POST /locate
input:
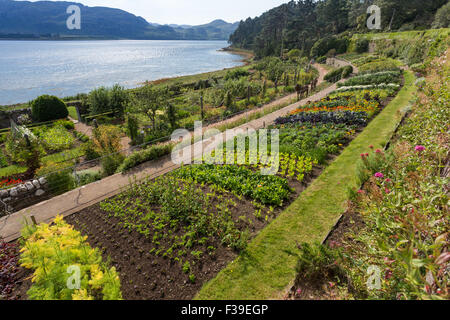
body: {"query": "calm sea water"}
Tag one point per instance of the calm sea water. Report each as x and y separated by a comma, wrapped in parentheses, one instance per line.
(64, 68)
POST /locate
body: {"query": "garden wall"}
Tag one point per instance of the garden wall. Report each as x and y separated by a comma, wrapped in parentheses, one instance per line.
(23, 194)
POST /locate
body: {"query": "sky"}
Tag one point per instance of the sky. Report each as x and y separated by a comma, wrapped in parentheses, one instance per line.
(191, 12)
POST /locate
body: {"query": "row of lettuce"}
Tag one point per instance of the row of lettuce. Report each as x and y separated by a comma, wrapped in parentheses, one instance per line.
(399, 250)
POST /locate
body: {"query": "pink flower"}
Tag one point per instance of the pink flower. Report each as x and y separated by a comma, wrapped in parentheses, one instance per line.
(388, 180)
(371, 147)
(420, 148)
(360, 191)
(299, 292)
(379, 175)
(378, 151)
(387, 190)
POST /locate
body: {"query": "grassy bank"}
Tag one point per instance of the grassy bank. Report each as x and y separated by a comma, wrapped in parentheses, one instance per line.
(267, 267)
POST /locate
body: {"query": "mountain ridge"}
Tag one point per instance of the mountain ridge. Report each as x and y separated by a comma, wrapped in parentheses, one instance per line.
(47, 19)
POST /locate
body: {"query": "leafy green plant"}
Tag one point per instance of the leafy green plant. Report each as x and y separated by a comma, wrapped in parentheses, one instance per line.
(46, 108)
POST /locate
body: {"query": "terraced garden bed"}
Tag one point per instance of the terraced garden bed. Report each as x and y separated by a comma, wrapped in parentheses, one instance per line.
(168, 237)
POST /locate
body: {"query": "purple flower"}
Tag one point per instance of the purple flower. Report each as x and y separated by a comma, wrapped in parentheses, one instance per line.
(420, 148)
(379, 175)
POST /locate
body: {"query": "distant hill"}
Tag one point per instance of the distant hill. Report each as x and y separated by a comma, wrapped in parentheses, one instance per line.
(47, 19)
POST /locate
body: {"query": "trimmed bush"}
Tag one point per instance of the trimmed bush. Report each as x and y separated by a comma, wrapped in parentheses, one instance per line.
(338, 74)
(362, 46)
(142, 156)
(59, 177)
(47, 108)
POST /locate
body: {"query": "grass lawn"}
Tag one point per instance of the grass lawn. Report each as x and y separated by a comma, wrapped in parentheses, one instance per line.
(73, 113)
(12, 170)
(267, 267)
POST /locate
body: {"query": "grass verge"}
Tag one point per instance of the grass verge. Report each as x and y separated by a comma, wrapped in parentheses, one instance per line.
(267, 267)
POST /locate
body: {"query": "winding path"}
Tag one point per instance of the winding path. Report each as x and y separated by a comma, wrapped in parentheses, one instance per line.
(83, 197)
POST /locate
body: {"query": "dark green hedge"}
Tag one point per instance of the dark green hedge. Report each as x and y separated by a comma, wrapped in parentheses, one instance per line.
(47, 108)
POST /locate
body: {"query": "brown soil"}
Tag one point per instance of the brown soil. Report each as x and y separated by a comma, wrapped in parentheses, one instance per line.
(145, 276)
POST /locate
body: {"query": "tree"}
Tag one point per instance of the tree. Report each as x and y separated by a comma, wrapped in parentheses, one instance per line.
(118, 98)
(150, 99)
(171, 113)
(442, 18)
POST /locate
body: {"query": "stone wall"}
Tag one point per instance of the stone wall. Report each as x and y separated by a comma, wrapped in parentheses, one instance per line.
(24, 193)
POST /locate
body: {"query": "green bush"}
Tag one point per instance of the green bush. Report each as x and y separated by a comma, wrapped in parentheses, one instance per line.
(69, 125)
(142, 156)
(346, 71)
(90, 151)
(338, 74)
(236, 74)
(362, 45)
(317, 262)
(321, 59)
(88, 177)
(110, 163)
(47, 108)
(59, 177)
(3, 162)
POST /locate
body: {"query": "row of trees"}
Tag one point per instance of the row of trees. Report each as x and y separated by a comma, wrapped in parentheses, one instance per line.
(299, 24)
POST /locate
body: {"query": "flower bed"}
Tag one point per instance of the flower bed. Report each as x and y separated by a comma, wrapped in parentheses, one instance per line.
(393, 242)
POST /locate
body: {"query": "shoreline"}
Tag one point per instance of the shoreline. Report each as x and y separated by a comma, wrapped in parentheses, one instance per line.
(245, 61)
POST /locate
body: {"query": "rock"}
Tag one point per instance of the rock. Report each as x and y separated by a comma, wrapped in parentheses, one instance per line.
(4, 194)
(36, 184)
(42, 181)
(39, 193)
(6, 200)
(29, 186)
(14, 192)
(22, 188)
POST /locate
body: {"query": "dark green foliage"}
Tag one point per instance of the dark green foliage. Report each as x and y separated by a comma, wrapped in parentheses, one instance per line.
(317, 262)
(236, 74)
(142, 156)
(442, 18)
(60, 178)
(362, 45)
(47, 108)
(338, 74)
(303, 24)
(110, 163)
(133, 127)
(321, 59)
(325, 45)
(104, 100)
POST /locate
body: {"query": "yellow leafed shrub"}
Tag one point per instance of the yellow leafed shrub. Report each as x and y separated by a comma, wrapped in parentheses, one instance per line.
(65, 266)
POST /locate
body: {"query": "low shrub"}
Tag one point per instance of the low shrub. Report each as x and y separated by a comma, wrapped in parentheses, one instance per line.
(59, 177)
(378, 66)
(47, 108)
(337, 117)
(321, 59)
(110, 163)
(54, 253)
(338, 74)
(373, 78)
(362, 45)
(142, 156)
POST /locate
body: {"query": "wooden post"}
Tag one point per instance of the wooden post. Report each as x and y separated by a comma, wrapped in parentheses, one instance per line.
(78, 114)
(201, 106)
(33, 219)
